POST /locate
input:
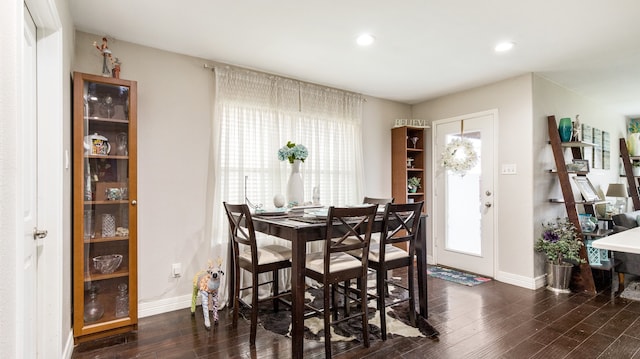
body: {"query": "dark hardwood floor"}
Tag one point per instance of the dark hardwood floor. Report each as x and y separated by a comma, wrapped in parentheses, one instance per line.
(491, 320)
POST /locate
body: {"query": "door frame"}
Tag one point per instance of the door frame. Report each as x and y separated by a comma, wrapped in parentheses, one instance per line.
(435, 166)
(52, 164)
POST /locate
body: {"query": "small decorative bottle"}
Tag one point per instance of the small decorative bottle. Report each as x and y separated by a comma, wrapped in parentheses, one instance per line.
(93, 310)
(122, 301)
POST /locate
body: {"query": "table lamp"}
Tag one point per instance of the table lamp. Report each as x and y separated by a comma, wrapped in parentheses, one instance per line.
(619, 191)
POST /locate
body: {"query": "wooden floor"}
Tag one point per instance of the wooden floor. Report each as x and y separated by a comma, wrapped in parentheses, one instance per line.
(491, 320)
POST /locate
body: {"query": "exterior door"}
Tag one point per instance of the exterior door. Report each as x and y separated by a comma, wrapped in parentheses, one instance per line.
(29, 175)
(464, 213)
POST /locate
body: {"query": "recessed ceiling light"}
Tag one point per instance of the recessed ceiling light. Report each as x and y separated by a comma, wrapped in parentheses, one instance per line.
(504, 46)
(365, 39)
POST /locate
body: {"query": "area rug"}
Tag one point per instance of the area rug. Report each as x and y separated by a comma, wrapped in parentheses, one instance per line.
(398, 324)
(455, 276)
(631, 291)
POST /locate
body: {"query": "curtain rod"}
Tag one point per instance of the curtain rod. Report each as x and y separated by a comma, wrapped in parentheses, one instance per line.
(213, 68)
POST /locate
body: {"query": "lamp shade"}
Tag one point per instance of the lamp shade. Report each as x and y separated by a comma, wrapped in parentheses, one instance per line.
(616, 190)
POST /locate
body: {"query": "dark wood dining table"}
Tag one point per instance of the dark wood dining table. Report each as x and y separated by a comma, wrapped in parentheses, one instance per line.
(301, 230)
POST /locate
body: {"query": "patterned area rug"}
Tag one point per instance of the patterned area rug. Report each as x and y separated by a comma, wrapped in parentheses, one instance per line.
(398, 323)
(455, 276)
(631, 291)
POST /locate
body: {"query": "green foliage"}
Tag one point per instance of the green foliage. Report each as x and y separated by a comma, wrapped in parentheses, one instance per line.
(560, 241)
(414, 181)
(634, 125)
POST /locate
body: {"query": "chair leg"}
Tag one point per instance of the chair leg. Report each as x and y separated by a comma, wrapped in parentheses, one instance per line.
(412, 301)
(381, 285)
(334, 303)
(327, 322)
(347, 288)
(254, 309)
(236, 295)
(363, 306)
(276, 301)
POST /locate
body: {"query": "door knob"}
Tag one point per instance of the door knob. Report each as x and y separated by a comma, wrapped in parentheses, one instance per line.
(488, 193)
(37, 234)
(488, 204)
(134, 202)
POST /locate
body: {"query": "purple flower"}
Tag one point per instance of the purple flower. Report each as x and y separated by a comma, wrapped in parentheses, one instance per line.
(550, 236)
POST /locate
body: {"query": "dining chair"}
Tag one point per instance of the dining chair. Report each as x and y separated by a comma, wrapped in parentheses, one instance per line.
(334, 265)
(378, 201)
(256, 259)
(400, 225)
(375, 237)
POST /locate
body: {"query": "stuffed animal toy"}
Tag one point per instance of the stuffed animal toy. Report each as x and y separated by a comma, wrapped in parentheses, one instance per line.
(206, 284)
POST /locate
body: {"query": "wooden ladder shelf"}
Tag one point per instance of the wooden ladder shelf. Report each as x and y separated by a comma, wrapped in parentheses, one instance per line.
(583, 280)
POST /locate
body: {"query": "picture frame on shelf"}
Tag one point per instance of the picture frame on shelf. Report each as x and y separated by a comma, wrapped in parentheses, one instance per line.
(606, 150)
(587, 137)
(580, 165)
(597, 148)
(587, 190)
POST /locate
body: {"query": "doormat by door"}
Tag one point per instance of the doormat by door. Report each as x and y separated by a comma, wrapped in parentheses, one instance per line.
(455, 276)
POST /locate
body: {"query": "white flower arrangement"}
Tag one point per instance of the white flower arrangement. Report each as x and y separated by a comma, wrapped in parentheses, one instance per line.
(459, 156)
(293, 152)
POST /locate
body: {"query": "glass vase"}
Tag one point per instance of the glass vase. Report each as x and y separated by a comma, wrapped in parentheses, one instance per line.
(565, 129)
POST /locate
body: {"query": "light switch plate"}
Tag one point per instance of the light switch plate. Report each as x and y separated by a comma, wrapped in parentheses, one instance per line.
(508, 169)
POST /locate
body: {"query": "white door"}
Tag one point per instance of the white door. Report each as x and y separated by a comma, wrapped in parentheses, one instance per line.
(464, 211)
(29, 175)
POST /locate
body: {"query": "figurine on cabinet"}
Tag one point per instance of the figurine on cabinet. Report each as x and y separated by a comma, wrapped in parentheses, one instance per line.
(206, 284)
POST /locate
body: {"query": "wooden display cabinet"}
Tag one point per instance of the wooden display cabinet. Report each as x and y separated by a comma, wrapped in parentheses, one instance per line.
(104, 206)
(408, 159)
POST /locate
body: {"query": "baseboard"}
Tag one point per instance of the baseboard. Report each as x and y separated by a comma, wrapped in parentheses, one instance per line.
(68, 348)
(520, 281)
(163, 306)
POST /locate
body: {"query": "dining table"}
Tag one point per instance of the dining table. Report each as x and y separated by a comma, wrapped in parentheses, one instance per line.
(300, 229)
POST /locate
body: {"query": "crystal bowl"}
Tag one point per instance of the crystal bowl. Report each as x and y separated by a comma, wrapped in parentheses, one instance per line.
(108, 263)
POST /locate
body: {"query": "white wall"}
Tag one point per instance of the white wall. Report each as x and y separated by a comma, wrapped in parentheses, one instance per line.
(378, 119)
(514, 193)
(552, 99)
(174, 99)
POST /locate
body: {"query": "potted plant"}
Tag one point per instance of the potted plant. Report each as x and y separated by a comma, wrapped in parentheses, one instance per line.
(413, 184)
(635, 167)
(559, 242)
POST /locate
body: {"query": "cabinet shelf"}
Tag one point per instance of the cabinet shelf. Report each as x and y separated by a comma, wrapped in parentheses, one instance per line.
(95, 276)
(105, 239)
(103, 119)
(121, 201)
(115, 157)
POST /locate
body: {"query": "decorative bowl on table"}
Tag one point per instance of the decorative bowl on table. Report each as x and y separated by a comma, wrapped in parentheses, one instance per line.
(108, 263)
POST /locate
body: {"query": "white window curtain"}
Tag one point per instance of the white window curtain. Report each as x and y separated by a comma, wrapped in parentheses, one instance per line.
(254, 115)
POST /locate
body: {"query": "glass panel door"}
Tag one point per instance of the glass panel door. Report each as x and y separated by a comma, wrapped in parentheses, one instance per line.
(464, 212)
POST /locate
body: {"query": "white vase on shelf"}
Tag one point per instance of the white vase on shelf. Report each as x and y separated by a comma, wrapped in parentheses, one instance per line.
(633, 144)
(295, 186)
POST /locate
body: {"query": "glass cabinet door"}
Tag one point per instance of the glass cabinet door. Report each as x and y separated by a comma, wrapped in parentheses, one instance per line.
(104, 204)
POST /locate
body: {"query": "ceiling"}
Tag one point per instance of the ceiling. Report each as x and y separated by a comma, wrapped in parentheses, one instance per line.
(424, 48)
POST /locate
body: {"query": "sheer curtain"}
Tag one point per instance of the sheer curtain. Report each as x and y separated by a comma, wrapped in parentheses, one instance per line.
(254, 115)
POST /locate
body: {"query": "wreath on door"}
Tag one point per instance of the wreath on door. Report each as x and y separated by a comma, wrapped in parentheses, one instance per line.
(459, 156)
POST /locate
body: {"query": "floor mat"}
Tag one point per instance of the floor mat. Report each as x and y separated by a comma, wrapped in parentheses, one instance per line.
(455, 276)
